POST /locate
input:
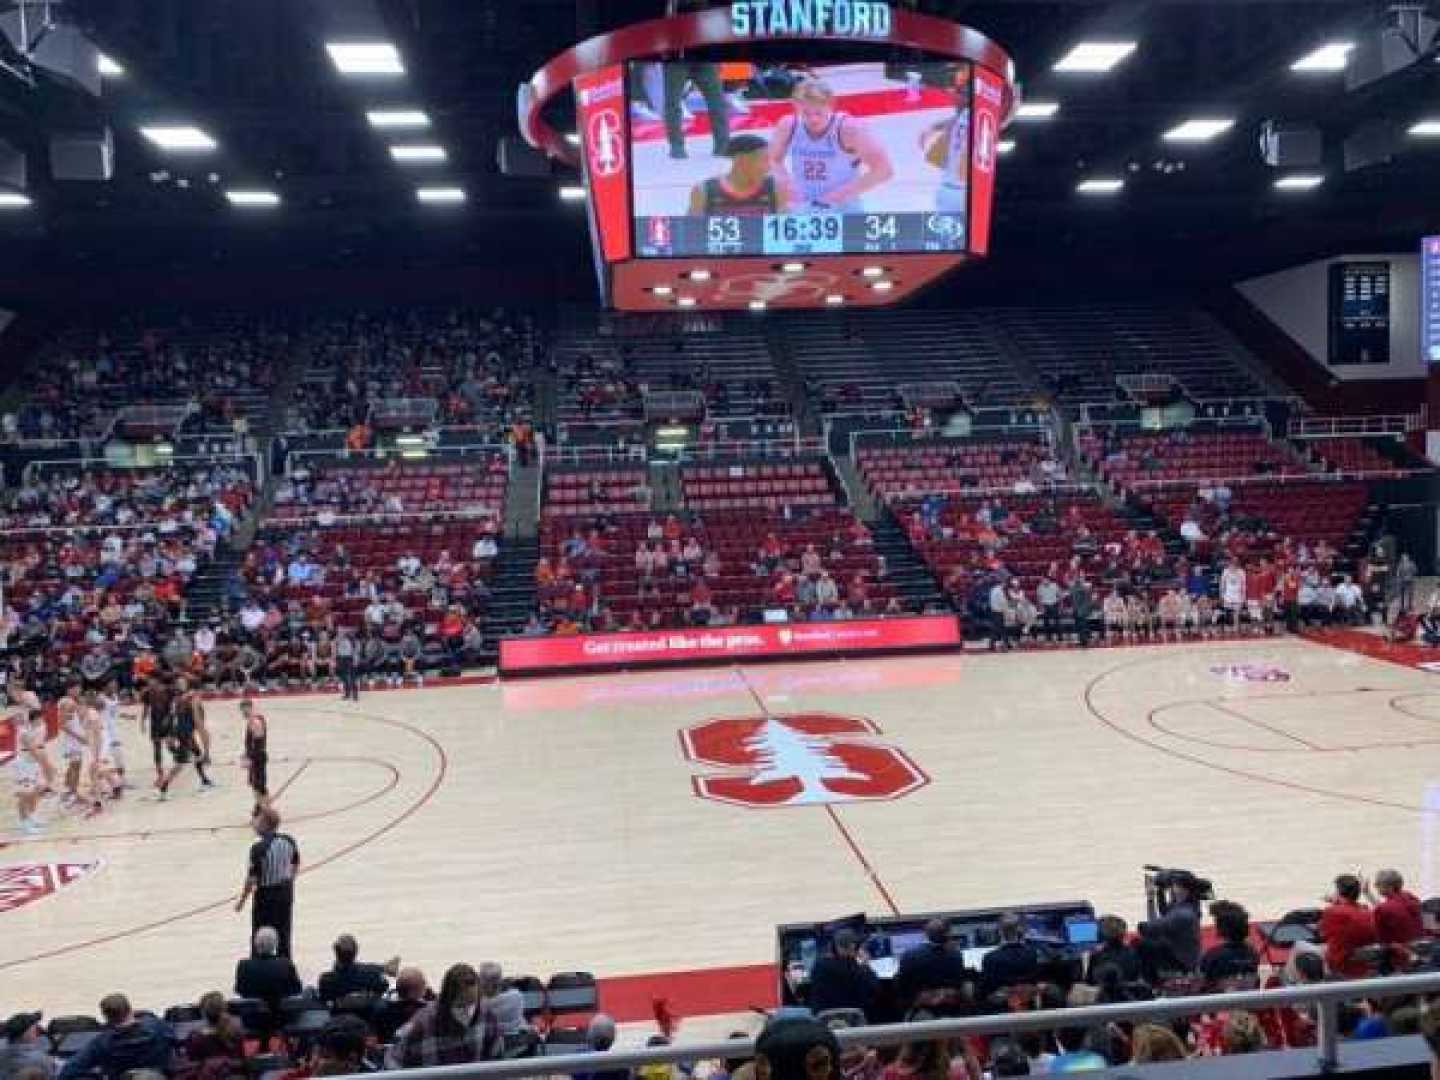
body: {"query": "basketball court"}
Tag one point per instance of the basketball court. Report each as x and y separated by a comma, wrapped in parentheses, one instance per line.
(631, 824)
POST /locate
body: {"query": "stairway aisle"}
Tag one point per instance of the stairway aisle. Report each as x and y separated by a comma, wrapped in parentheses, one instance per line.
(205, 597)
(904, 567)
(512, 591)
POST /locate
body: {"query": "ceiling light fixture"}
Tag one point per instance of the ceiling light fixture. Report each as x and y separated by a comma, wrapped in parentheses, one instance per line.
(243, 197)
(1332, 56)
(572, 193)
(1037, 110)
(426, 154)
(1425, 129)
(1200, 129)
(1095, 57)
(757, 305)
(1006, 146)
(13, 200)
(179, 138)
(1299, 182)
(398, 118)
(1100, 185)
(108, 68)
(440, 196)
(365, 57)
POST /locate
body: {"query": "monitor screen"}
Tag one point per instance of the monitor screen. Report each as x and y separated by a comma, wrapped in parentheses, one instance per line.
(735, 159)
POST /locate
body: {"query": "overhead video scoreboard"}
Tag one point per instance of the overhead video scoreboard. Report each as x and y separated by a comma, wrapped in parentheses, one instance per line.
(719, 175)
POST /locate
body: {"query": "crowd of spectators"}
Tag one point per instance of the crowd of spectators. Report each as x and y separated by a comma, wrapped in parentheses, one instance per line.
(351, 1018)
(1365, 930)
(608, 574)
(85, 375)
(474, 365)
(96, 563)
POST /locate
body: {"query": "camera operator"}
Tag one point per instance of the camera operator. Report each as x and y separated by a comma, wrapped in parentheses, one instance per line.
(1170, 940)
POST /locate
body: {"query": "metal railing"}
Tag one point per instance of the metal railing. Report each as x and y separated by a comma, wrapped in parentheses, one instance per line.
(1340, 427)
(1262, 479)
(1324, 998)
(254, 462)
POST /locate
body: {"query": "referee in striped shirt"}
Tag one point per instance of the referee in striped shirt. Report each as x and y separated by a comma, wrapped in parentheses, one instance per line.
(274, 862)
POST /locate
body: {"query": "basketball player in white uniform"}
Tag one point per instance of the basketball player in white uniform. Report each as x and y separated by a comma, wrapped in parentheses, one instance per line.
(947, 147)
(72, 740)
(824, 159)
(110, 718)
(26, 770)
(27, 702)
(100, 770)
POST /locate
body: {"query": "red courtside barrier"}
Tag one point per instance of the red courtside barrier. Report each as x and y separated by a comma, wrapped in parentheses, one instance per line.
(532, 655)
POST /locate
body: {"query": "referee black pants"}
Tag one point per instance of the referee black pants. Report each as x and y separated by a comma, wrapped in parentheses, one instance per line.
(349, 683)
(274, 906)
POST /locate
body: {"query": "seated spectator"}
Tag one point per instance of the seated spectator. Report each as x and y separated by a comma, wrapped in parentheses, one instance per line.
(1076, 1054)
(797, 1048)
(600, 1037)
(1113, 953)
(1242, 1033)
(25, 1047)
(1233, 960)
(1151, 1043)
(1014, 961)
(1398, 919)
(408, 997)
(216, 1050)
(128, 1042)
(840, 980)
(350, 976)
(339, 1051)
(506, 1005)
(452, 1030)
(933, 970)
(266, 975)
(1345, 926)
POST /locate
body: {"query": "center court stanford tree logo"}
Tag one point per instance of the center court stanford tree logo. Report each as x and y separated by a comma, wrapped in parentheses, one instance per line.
(799, 759)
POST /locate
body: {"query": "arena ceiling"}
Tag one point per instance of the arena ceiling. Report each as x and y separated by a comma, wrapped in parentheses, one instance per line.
(255, 75)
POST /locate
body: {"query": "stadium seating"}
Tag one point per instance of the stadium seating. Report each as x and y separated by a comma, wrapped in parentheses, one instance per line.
(473, 365)
(858, 361)
(761, 485)
(1191, 456)
(1079, 351)
(908, 472)
(222, 367)
(1351, 455)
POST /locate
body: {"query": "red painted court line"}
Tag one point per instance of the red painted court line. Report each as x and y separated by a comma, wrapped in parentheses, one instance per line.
(863, 861)
(845, 834)
(1218, 707)
(293, 777)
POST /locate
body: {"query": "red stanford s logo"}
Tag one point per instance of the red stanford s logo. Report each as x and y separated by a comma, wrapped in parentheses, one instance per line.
(799, 759)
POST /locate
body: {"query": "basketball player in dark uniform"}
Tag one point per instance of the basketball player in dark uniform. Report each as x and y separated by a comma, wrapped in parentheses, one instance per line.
(747, 189)
(257, 753)
(184, 743)
(157, 716)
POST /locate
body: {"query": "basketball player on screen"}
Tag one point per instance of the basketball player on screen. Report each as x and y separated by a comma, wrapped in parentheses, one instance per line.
(947, 146)
(824, 159)
(746, 189)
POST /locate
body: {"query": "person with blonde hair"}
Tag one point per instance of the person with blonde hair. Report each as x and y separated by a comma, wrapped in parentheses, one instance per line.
(1242, 1034)
(1151, 1042)
(823, 158)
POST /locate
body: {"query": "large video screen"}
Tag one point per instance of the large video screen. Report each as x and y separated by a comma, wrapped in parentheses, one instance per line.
(733, 159)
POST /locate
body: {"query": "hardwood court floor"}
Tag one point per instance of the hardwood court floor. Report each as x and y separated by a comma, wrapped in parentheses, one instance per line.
(557, 825)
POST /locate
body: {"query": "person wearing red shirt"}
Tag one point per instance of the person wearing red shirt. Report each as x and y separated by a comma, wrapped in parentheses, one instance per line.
(1398, 920)
(1345, 926)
